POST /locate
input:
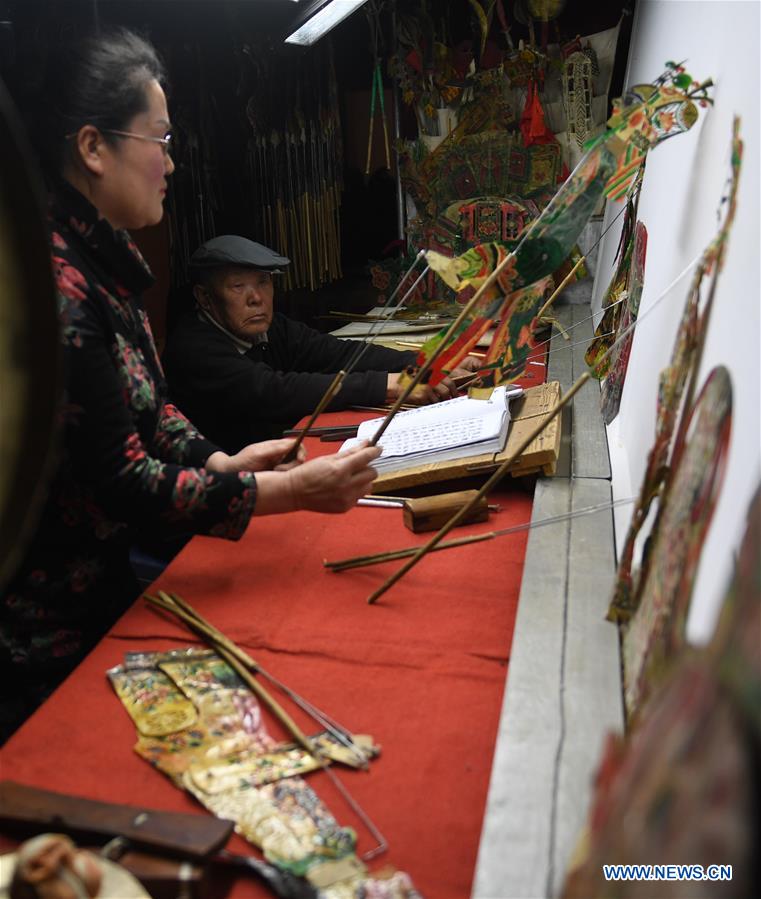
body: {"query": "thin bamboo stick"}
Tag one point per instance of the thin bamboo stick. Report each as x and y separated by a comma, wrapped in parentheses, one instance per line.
(232, 655)
(332, 390)
(178, 604)
(575, 387)
(560, 287)
(364, 561)
(392, 555)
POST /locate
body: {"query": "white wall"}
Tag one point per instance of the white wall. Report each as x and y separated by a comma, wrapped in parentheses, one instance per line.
(684, 181)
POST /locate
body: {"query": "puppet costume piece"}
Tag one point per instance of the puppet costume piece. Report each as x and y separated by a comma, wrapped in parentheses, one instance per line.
(153, 701)
(671, 558)
(123, 462)
(609, 327)
(226, 743)
(613, 386)
(229, 762)
(230, 729)
(620, 308)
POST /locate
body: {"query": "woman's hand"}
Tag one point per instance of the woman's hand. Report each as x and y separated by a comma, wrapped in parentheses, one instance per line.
(334, 483)
(327, 484)
(264, 456)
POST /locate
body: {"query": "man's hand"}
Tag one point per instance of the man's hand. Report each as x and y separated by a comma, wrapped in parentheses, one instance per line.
(424, 394)
(264, 456)
(468, 364)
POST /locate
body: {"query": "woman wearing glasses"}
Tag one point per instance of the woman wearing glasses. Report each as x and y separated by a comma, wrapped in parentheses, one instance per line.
(128, 460)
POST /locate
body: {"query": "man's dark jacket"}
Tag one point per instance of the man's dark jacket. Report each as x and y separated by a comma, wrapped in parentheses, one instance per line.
(235, 398)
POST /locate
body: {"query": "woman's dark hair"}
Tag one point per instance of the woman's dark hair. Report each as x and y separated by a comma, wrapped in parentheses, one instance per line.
(101, 81)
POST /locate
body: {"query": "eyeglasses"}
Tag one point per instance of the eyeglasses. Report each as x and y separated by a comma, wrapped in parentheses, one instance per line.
(165, 141)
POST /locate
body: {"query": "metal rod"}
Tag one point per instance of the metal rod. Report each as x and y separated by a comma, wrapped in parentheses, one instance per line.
(364, 561)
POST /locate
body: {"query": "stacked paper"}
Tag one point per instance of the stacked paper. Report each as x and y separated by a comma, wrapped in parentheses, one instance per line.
(455, 429)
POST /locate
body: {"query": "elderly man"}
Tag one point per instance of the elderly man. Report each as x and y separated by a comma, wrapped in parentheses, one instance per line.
(243, 372)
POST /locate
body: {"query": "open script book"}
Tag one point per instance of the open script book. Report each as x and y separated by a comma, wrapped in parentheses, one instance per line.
(454, 429)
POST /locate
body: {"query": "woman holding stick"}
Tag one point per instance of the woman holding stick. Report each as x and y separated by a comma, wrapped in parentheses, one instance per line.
(127, 460)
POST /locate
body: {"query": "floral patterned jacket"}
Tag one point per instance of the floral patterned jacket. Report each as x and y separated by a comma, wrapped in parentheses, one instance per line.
(127, 460)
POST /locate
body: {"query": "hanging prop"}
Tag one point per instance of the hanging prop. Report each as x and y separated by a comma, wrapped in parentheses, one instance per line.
(377, 94)
(377, 91)
(545, 11)
(484, 9)
(577, 95)
(533, 126)
(295, 162)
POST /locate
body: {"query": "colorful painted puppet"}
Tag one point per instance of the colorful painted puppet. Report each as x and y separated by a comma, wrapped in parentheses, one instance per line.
(225, 757)
(620, 308)
(676, 385)
(656, 630)
(647, 115)
(691, 757)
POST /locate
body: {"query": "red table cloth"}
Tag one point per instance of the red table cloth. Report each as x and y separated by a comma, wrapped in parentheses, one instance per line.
(423, 671)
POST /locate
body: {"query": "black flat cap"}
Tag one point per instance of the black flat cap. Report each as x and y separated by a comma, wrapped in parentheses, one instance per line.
(230, 249)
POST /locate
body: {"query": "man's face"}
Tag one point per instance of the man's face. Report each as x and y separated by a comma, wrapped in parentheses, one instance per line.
(240, 299)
